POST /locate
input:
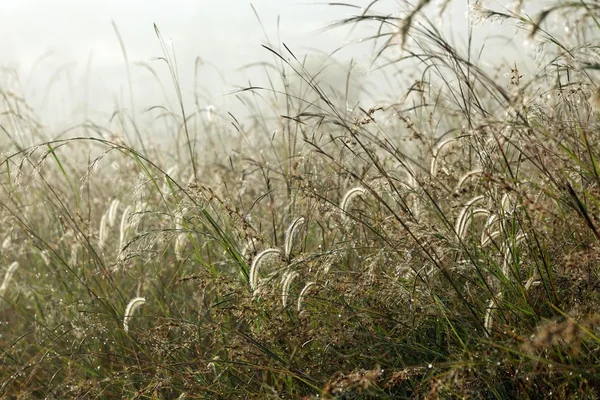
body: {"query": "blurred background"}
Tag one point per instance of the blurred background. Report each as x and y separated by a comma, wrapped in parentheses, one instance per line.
(66, 57)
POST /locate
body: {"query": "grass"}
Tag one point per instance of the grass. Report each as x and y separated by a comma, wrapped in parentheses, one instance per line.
(442, 244)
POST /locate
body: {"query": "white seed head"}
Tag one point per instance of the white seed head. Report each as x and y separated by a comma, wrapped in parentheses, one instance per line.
(8, 276)
(488, 320)
(508, 251)
(465, 177)
(124, 227)
(7, 243)
(289, 236)
(303, 293)
(180, 244)
(112, 212)
(285, 286)
(464, 216)
(103, 230)
(133, 305)
(254, 267)
(436, 154)
(350, 194)
(486, 237)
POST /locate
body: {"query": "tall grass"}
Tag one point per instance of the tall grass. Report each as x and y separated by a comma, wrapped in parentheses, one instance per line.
(440, 245)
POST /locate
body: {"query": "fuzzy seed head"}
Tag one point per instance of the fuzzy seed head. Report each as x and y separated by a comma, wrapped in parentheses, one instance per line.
(285, 287)
(303, 293)
(133, 305)
(8, 276)
(124, 226)
(255, 266)
(289, 236)
(103, 230)
(350, 194)
(112, 212)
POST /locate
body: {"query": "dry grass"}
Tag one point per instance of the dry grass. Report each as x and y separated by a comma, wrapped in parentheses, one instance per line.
(445, 245)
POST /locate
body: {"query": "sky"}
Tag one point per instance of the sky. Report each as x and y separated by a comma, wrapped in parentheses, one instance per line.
(70, 62)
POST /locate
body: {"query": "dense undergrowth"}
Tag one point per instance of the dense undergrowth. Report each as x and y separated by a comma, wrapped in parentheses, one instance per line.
(443, 244)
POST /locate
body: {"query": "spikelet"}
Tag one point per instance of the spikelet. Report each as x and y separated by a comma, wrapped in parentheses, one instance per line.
(285, 286)
(486, 237)
(254, 267)
(8, 276)
(436, 154)
(412, 185)
(507, 204)
(250, 246)
(133, 305)
(463, 216)
(180, 244)
(465, 177)
(102, 231)
(488, 320)
(493, 218)
(467, 217)
(124, 227)
(350, 194)
(507, 252)
(303, 293)
(289, 236)
(112, 212)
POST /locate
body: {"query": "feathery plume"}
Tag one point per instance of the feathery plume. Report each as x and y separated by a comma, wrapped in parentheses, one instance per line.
(256, 265)
(466, 218)
(465, 177)
(45, 257)
(124, 227)
(350, 194)
(102, 231)
(486, 237)
(436, 153)
(289, 236)
(488, 320)
(180, 244)
(508, 251)
(285, 287)
(133, 305)
(462, 218)
(303, 293)
(112, 212)
(8, 276)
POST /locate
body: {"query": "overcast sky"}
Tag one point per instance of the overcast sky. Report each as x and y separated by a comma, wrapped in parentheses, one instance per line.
(69, 48)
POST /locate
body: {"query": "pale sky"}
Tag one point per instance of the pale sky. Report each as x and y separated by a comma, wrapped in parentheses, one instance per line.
(67, 53)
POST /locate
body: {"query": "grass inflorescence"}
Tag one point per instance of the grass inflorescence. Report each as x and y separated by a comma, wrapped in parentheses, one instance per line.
(440, 243)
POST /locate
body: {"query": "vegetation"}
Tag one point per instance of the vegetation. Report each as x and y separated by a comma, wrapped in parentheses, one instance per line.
(440, 244)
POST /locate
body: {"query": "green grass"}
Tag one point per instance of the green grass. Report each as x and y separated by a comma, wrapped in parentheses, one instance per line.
(449, 246)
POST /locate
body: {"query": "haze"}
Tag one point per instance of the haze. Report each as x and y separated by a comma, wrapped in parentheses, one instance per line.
(70, 63)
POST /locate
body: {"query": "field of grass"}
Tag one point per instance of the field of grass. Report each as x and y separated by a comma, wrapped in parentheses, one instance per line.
(444, 243)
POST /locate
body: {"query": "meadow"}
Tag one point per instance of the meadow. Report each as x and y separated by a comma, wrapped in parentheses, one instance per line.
(443, 243)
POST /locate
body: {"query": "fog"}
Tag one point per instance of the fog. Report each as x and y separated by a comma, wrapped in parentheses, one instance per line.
(70, 65)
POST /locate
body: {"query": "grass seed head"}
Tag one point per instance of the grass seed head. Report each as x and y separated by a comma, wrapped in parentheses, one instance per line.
(285, 287)
(350, 194)
(8, 277)
(289, 236)
(255, 266)
(133, 305)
